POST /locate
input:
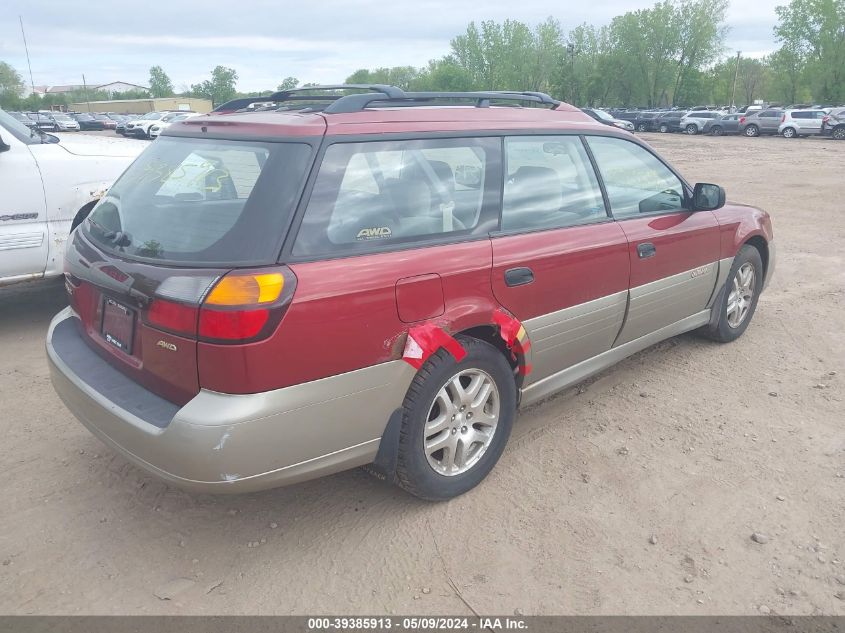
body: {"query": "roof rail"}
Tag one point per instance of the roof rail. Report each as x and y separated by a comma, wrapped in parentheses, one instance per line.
(293, 94)
(358, 102)
(383, 94)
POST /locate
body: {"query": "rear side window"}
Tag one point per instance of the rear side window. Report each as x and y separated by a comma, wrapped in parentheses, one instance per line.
(368, 195)
(636, 181)
(802, 115)
(550, 183)
(204, 202)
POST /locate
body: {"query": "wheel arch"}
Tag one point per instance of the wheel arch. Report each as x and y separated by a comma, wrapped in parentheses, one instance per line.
(759, 242)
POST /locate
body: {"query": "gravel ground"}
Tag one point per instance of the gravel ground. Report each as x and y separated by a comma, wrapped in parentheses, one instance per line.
(637, 492)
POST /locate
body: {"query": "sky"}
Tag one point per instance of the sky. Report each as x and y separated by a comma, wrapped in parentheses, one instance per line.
(266, 40)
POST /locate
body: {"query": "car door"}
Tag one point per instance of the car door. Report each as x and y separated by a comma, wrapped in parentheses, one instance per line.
(673, 252)
(770, 121)
(23, 211)
(560, 264)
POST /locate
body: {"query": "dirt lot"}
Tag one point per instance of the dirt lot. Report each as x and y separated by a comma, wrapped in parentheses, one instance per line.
(695, 444)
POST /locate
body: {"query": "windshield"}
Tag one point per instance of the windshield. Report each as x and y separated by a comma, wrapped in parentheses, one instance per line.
(101, 117)
(18, 129)
(152, 116)
(202, 202)
(603, 115)
(83, 117)
(62, 117)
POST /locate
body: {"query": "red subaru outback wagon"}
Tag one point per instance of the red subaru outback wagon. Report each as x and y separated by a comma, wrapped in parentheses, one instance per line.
(371, 276)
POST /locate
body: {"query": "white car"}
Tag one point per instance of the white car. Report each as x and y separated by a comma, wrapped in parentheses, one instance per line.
(693, 122)
(49, 187)
(141, 127)
(160, 125)
(805, 122)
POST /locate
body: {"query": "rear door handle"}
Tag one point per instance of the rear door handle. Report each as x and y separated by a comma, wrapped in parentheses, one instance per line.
(518, 277)
(646, 250)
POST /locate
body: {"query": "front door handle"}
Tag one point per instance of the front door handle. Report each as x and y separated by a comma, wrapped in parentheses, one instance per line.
(646, 250)
(518, 277)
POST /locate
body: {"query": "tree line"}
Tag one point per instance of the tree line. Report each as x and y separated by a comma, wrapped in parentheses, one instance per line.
(672, 53)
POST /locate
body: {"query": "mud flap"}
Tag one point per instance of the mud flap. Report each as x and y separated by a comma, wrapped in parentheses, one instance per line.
(384, 465)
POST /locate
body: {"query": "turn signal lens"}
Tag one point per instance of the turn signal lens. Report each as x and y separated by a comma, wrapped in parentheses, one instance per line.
(251, 289)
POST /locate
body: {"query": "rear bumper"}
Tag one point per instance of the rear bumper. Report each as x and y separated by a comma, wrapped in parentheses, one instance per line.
(229, 443)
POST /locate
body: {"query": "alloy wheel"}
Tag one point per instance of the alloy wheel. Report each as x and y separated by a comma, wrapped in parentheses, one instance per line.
(741, 295)
(461, 422)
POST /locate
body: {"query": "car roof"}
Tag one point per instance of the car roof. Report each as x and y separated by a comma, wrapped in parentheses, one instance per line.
(398, 120)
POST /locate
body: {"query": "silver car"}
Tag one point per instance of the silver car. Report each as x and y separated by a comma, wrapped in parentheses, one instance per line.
(801, 123)
(761, 122)
(694, 122)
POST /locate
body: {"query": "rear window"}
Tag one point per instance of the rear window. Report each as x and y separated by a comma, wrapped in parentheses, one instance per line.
(372, 195)
(202, 202)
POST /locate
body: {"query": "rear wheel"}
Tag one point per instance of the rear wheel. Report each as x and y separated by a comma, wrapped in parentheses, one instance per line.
(789, 132)
(663, 128)
(716, 130)
(457, 417)
(751, 131)
(692, 129)
(739, 298)
(839, 133)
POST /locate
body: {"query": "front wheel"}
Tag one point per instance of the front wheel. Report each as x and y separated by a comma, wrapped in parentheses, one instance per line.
(716, 130)
(751, 131)
(642, 127)
(456, 420)
(692, 129)
(739, 297)
(663, 128)
(839, 133)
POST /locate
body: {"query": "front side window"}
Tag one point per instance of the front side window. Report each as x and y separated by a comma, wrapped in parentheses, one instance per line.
(202, 201)
(549, 183)
(636, 181)
(370, 194)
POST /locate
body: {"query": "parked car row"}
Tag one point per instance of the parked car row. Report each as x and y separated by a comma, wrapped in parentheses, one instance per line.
(140, 126)
(751, 121)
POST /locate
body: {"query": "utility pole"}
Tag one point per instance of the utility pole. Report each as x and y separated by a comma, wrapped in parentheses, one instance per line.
(570, 50)
(26, 48)
(736, 74)
(87, 98)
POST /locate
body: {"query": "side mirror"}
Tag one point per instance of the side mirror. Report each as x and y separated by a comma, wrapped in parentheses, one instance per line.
(707, 197)
(3, 146)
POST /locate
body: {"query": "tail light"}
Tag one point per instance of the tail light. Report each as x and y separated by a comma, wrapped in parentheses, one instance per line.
(826, 118)
(741, 120)
(241, 306)
(783, 119)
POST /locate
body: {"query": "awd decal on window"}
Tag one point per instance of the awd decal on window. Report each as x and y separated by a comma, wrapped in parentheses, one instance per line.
(374, 233)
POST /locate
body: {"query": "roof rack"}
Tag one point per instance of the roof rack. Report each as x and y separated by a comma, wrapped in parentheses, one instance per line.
(383, 94)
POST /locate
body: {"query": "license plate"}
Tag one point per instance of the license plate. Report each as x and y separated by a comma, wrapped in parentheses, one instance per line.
(118, 324)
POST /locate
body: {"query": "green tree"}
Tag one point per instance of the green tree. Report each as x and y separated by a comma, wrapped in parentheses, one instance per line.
(11, 86)
(222, 86)
(160, 84)
(812, 34)
(288, 83)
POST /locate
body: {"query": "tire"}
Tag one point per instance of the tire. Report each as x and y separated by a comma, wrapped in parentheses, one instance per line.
(437, 475)
(663, 128)
(752, 131)
(789, 132)
(691, 129)
(716, 130)
(731, 325)
(642, 127)
(838, 133)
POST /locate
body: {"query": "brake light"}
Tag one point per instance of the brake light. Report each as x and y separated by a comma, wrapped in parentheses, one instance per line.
(741, 120)
(825, 118)
(245, 305)
(783, 119)
(178, 318)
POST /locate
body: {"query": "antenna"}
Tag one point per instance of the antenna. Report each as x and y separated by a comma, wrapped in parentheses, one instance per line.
(26, 48)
